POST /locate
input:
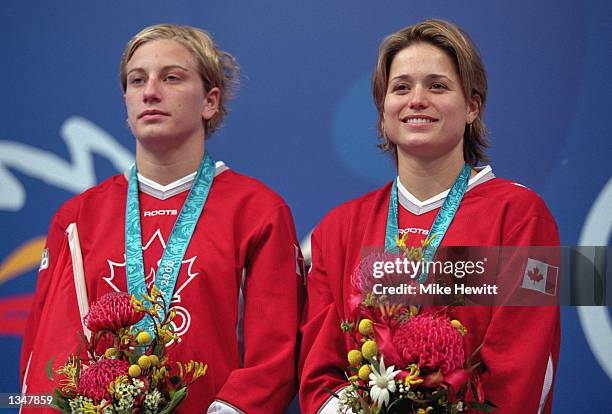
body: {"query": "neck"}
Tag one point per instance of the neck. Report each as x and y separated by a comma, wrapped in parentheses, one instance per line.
(167, 166)
(427, 178)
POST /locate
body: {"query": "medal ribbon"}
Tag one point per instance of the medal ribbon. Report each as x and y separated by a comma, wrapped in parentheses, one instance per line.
(168, 270)
(440, 225)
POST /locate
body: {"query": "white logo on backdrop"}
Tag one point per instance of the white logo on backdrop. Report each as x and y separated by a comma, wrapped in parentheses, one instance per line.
(83, 139)
(595, 320)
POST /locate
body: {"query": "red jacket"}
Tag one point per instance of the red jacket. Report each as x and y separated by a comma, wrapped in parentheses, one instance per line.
(520, 343)
(238, 296)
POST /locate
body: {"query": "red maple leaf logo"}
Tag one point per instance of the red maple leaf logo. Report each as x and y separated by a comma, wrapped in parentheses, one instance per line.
(535, 275)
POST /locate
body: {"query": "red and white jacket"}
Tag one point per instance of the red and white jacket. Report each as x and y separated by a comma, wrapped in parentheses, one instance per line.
(521, 344)
(238, 296)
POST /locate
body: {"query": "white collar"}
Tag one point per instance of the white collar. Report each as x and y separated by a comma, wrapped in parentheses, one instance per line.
(415, 206)
(164, 192)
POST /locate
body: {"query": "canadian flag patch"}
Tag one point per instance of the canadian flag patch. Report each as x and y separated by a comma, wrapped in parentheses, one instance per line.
(540, 276)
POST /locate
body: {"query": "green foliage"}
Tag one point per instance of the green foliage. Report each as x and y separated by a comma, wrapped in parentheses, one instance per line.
(50, 369)
(177, 398)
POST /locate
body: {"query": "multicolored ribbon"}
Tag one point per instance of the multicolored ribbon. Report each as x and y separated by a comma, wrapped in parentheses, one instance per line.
(168, 270)
(440, 225)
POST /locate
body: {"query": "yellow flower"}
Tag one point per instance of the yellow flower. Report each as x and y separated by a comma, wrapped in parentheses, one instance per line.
(137, 304)
(200, 370)
(389, 311)
(153, 309)
(89, 408)
(401, 242)
(159, 375)
(155, 292)
(171, 314)
(110, 352)
(413, 377)
(366, 327)
(144, 362)
(364, 372)
(462, 329)
(134, 371)
(369, 349)
(354, 357)
(428, 240)
(154, 360)
(165, 335)
(69, 370)
(143, 337)
(180, 368)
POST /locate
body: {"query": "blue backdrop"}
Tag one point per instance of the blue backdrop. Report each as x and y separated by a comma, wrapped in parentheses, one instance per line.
(303, 123)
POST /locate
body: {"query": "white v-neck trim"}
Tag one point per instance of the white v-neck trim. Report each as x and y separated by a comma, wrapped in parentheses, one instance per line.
(164, 192)
(415, 206)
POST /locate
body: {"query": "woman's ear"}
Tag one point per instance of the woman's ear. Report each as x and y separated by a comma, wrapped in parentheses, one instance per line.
(473, 108)
(211, 103)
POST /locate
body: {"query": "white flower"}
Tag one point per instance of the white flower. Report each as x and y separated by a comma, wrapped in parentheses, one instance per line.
(349, 402)
(139, 384)
(382, 383)
(152, 400)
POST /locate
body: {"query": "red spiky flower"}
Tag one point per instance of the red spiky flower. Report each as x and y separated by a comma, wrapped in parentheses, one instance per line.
(96, 378)
(112, 312)
(431, 342)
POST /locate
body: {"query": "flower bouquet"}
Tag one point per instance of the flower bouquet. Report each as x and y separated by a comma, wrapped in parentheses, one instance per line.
(123, 369)
(404, 361)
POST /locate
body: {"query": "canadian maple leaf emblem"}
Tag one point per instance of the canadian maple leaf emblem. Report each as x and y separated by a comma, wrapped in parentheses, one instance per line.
(182, 321)
(535, 275)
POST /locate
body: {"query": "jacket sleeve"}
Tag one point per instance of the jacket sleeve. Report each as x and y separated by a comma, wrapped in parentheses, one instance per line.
(60, 329)
(322, 361)
(273, 298)
(55, 243)
(521, 343)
